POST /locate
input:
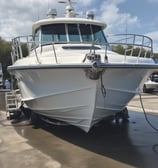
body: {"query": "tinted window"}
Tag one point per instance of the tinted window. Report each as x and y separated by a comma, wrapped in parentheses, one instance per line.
(73, 33)
(86, 33)
(53, 33)
(36, 39)
(91, 33)
(98, 35)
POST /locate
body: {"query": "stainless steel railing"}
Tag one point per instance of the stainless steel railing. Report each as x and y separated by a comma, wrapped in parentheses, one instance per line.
(132, 44)
(125, 44)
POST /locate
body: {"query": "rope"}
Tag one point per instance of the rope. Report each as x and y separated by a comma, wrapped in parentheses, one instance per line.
(103, 90)
(145, 114)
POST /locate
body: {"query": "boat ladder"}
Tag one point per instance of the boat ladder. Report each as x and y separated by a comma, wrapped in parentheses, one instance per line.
(12, 100)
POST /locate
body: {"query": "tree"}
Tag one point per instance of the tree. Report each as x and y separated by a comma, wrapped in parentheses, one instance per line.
(119, 49)
(130, 50)
(156, 55)
(5, 58)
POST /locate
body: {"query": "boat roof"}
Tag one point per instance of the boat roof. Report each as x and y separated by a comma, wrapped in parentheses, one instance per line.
(64, 20)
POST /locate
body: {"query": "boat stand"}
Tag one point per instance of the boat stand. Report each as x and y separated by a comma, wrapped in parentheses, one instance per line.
(122, 115)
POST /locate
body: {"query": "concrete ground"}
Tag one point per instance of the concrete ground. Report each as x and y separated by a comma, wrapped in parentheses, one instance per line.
(133, 144)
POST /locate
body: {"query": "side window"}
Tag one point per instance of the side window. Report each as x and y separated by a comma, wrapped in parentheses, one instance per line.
(98, 34)
(91, 33)
(36, 39)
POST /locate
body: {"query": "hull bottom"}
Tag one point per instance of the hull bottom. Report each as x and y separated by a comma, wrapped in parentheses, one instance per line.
(68, 116)
(83, 123)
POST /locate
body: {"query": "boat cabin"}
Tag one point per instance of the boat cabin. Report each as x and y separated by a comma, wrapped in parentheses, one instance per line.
(68, 31)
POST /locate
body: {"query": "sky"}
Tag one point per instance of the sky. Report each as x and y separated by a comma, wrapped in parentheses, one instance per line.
(121, 16)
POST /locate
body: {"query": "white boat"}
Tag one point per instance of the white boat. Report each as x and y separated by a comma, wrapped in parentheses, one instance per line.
(71, 72)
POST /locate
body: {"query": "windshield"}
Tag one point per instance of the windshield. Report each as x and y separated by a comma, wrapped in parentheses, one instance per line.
(72, 33)
(53, 33)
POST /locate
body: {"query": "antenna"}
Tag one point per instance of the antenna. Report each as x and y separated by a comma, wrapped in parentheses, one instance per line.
(69, 8)
(62, 2)
(67, 1)
(48, 4)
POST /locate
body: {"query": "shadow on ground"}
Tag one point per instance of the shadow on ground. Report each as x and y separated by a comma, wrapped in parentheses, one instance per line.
(130, 143)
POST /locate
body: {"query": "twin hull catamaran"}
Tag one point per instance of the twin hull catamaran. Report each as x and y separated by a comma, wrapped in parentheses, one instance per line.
(71, 72)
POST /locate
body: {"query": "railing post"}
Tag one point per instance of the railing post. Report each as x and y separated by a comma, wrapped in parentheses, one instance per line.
(55, 53)
(19, 47)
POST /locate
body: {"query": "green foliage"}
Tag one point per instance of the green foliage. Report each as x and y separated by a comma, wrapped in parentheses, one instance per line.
(119, 49)
(156, 55)
(129, 50)
(5, 59)
(24, 49)
(5, 55)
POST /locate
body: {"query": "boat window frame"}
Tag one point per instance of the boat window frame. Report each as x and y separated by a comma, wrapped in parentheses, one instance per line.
(91, 34)
(43, 42)
(73, 38)
(80, 40)
(35, 42)
(102, 35)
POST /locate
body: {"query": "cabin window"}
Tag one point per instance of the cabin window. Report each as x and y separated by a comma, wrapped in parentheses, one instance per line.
(98, 35)
(76, 33)
(86, 33)
(73, 33)
(37, 33)
(53, 33)
(91, 33)
(36, 39)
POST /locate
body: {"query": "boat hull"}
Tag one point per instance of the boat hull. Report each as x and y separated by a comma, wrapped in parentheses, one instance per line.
(67, 94)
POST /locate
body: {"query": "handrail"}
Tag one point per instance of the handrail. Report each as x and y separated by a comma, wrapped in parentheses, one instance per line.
(132, 41)
(17, 53)
(37, 56)
(54, 53)
(17, 42)
(129, 42)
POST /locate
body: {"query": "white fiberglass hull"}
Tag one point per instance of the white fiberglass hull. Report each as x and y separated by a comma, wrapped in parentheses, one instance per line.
(67, 94)
(62, 94)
